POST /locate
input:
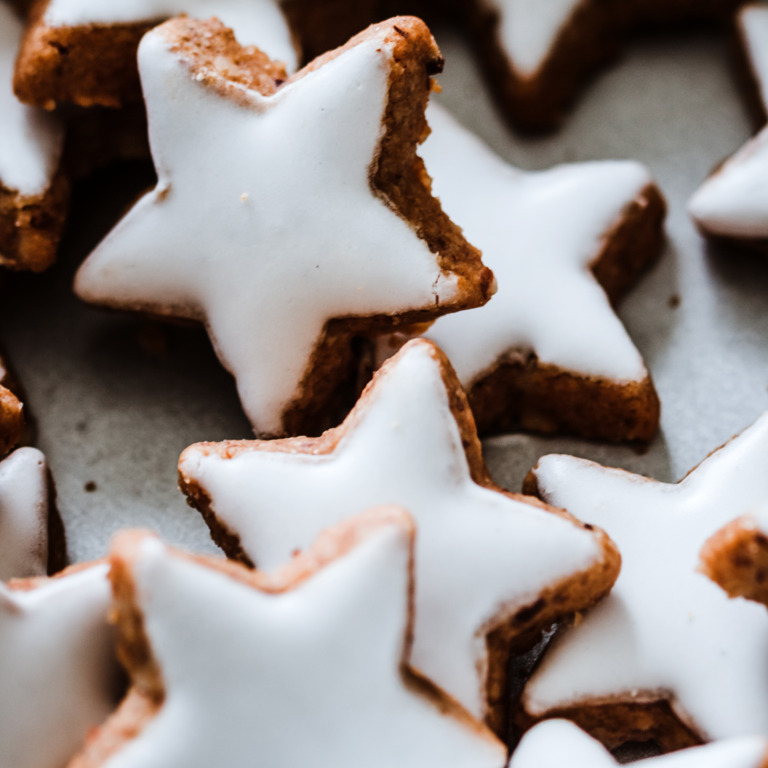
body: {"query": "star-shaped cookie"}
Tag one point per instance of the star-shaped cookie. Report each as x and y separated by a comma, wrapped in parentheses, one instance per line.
(57, 663)
(305, 666)
(539, 53)
(84, 51)
(667, 655)
(33, 192)
(304, 218)
(736, 557)
(491, 568)
(31, 534)
(733, 203)
(555, 743)
(548, 353)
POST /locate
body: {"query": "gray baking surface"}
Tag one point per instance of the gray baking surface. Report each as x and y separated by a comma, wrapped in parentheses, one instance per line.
(117, 398)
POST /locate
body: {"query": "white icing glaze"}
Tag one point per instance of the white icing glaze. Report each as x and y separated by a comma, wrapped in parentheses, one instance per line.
(539, 233)
(557, 743)
(733, 202)
(480, 556)
(58, 668)
(665, 627)
(529, 28)
(274, 228)
(23, 514)
(255, 22)
(312, 675)
(30, 139)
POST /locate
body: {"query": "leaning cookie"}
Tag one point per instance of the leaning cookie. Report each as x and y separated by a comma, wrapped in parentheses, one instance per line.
(32, 541)
(538, 55)
(548, 353)
(84, 51)
(555, 743)
(307, 665)
(492, 569)
(736, 557)
(33, 190)
(667, 655)
(304, 219)
(733, 203)
(60, 677)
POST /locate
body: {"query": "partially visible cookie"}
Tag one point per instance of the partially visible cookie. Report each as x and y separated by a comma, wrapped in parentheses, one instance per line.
(667, 656)
(32, 539)
(11, 410)
(538, 53)
(84, 51)
(733, 203)
(304, 219)
(492, 569)
(304, 666)
(736, 557)
(555, 743)
(548, 353)
(33, 190)
(60, 677)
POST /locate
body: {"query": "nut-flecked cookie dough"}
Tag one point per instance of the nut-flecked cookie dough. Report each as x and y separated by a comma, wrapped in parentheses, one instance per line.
(84, 51)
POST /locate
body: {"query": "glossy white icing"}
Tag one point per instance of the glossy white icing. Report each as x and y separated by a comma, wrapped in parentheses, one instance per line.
(665, 629)
(57, 667)
(539, 233)
(480, 556)
(733, 202)
(274, 228)
(23, 515)
(528, 29)
(311, 675)
(255, 22)
(30, 139)
(556, 743)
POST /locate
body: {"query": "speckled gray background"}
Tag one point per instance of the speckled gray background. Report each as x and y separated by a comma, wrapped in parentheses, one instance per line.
(116, 399)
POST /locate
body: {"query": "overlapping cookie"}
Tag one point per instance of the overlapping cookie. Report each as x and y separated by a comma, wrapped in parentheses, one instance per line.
(32, 541)
(305, 665)
(667, 655)
(548, 352)
(33, 191)
(492, 568)
(555, 743)
(733, 203)
(84, 51)
(736, 557)
(57, 663)
(538, 54)
(304, 219)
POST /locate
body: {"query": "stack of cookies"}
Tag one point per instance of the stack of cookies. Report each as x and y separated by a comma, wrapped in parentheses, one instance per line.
(385, 290)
